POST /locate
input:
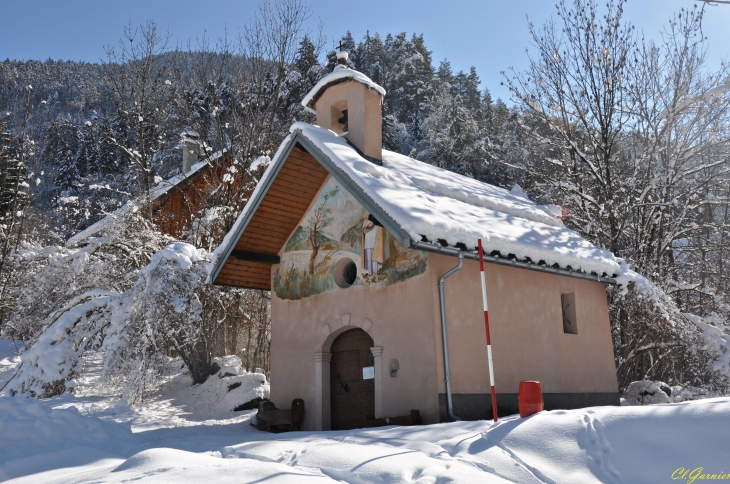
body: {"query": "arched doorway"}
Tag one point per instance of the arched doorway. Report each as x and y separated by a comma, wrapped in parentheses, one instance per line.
(352, 397)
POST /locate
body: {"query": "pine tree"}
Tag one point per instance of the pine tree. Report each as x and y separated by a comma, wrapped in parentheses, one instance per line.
(107, 153)
(87, 156)
(63, 145)
(306, 57)
(444, 73)
(470, 94)
(486, 110)
(348, 44)
(418, 89)
(13, 186)
(369, 57)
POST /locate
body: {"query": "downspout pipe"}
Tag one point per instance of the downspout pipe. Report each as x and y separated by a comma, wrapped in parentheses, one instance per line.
(447, 366)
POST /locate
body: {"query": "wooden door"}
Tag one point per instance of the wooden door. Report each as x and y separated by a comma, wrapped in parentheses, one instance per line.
(352, 398)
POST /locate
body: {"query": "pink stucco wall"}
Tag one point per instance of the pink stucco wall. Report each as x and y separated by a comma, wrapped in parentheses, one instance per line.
(528, 341)
(402, 322)
(526, 324)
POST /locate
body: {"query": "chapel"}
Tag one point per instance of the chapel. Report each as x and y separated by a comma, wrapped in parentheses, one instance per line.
(371, 260)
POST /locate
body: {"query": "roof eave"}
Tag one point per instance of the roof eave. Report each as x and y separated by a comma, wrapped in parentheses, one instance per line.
(474, 254)
(388, 222)
(358, 193)
(278, 163)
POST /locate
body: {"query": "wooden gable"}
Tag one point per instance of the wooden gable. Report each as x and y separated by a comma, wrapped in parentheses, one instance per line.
(174, 210)
(283, 206)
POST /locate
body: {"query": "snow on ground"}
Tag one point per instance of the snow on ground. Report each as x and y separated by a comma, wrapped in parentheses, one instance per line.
(188, 434)
(9, 359)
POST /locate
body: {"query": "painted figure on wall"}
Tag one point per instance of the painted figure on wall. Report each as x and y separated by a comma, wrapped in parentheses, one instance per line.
(373, 245)
(337, 227)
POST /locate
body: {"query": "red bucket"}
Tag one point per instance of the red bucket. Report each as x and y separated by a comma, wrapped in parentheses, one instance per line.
(529, 399)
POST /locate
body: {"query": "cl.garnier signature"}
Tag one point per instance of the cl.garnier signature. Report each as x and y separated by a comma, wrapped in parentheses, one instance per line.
(698, 473)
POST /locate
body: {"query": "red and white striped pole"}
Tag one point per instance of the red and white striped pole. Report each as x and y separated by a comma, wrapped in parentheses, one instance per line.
(486, 325)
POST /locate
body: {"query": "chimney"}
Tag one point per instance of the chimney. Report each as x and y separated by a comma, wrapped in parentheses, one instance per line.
(349, 103)
(190, 149)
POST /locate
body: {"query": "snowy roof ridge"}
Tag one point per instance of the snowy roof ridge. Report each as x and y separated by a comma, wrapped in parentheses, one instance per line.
(419, 200)
(339, 74)
(165, 185)
(427, 201)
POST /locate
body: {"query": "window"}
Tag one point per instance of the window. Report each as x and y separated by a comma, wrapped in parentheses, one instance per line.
(338, 117)
(345, 272)
(570, 325)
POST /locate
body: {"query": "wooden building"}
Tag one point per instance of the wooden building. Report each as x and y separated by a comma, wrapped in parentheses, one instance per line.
(176, 200)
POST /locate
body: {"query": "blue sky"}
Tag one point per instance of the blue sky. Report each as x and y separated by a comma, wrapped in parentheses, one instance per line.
(489, 34)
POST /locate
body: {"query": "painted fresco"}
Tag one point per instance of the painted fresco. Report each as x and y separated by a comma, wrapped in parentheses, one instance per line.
(337, 227)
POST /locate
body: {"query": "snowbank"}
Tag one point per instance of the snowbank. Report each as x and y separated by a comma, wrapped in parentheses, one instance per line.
(190, 434)
(29, 427)
(9, 359)
(217, 397)
(648, 392)
(601, 444)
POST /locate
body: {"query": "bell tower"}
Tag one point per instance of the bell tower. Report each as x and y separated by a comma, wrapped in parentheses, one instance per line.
(350, 104)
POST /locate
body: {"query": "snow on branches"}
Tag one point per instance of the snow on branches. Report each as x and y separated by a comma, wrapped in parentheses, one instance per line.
(135, 330)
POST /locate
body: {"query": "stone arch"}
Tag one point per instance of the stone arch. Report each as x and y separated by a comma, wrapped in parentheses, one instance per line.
(322, 360)
(327, 344)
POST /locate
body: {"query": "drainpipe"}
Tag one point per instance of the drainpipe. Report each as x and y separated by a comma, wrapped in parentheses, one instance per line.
(447, 367)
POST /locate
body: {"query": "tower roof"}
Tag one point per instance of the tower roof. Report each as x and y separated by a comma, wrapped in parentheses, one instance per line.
(338, 75)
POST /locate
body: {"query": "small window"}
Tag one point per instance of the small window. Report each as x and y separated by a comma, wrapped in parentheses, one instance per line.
(570, 325)
(338, 117)
(345, 272)
(368, 372)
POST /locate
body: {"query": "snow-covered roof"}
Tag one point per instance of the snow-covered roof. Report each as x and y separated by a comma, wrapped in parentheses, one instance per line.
(339, 74)
(426, 202)
(157, 191)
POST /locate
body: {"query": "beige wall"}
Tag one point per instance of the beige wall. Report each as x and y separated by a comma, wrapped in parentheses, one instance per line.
(528, 342)
(526, 327)
(399, 319)
(363, 112)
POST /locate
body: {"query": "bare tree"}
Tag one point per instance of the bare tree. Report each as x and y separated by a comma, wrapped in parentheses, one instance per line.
(573, 87)
(140, 91)
(14, 197)
(633, 137)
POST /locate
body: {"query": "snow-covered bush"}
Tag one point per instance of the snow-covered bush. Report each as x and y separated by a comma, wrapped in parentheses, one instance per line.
(56, 275)
(169, 311)
(55, 357)
(162, 312)
(654, 340)
(647, 392)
